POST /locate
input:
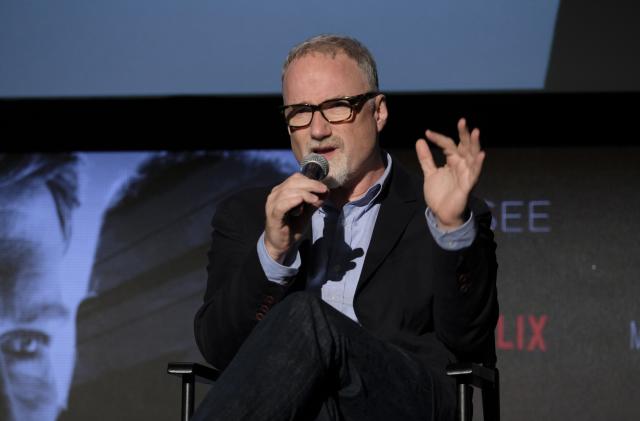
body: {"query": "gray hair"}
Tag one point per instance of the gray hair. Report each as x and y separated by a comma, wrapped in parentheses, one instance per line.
(332, 45)
(57, 172)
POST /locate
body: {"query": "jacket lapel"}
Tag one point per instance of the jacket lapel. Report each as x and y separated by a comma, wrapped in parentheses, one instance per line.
(400, 201)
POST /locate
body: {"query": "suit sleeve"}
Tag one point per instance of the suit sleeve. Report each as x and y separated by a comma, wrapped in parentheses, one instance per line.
(238, 293)
(466, 303)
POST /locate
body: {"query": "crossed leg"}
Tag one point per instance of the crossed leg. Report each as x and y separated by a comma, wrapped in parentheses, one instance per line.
(307, 361)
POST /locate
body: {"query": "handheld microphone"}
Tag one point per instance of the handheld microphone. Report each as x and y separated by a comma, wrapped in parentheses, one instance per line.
(315, 167)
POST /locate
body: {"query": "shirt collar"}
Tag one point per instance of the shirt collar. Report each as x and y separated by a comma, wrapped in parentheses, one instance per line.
(367, 200)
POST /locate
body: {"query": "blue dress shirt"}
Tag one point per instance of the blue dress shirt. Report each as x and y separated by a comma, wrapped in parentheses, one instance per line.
(340, 241)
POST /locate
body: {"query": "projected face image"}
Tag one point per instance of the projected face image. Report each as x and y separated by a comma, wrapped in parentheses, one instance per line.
(37, 328)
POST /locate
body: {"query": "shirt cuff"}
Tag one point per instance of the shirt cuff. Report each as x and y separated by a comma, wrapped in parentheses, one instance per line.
(274, 271)
(456, 239)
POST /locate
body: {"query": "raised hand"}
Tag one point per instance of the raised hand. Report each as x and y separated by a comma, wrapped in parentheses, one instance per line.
(281, 230)
(446, 189)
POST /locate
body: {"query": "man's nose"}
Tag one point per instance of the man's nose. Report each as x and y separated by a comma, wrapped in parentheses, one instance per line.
(320, 127)
(7, 409)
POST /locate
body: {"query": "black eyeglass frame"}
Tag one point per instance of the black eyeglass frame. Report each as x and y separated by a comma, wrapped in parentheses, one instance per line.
(355, 102)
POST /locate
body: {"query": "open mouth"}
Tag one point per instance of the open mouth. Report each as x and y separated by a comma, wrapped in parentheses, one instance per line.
(325, 151)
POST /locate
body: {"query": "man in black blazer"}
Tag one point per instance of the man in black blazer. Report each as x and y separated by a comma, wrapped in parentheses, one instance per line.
(352, 309)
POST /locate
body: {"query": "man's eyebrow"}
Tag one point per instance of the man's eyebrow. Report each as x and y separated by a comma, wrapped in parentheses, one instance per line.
(43, 311)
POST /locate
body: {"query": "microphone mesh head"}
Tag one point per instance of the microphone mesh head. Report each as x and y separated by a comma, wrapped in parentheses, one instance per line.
(314, 159)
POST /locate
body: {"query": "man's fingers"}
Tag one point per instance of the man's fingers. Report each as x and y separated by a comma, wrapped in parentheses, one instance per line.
(469, 141)
(445, 143)
(463, 134)
(424, 157)
(299, 181)
(474, 141)
(479, 160)
(467, 152)
(293, 198)
(292, 193)
(312, 199)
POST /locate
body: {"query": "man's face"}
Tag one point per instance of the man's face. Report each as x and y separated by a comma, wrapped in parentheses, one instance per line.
(37, 328)
(351, 146)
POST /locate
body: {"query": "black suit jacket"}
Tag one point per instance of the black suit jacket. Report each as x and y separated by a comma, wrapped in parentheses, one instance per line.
(439, 305)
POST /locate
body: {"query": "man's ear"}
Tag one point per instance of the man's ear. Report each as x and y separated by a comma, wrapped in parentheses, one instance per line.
(380, 112)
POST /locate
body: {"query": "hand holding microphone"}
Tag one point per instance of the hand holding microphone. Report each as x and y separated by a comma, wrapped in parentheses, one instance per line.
(315, 167)
(286, 216)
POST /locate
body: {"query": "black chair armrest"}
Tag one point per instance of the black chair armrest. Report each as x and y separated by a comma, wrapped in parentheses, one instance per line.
(473, 374)
(190, 373)
(201, 373)
(485, 378)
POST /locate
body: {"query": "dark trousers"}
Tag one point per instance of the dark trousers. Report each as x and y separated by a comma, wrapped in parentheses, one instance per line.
(307, 361)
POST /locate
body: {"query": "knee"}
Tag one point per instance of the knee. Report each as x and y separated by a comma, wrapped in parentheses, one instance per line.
(300, 308)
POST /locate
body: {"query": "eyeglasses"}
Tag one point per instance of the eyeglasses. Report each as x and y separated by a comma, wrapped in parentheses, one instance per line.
(334, 110)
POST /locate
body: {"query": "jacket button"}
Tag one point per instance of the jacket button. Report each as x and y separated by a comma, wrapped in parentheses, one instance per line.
(464, 282)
